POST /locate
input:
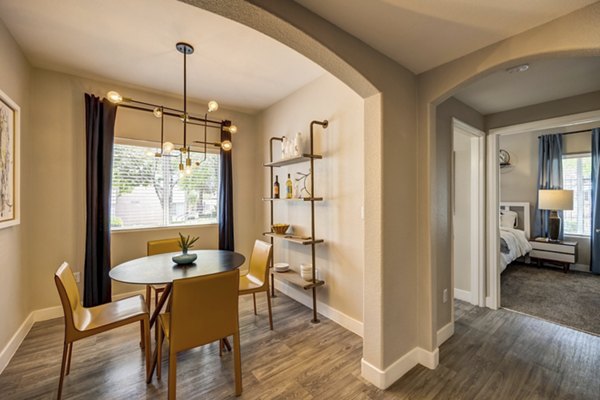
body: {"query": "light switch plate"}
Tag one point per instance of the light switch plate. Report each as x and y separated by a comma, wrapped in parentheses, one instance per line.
(77, 276)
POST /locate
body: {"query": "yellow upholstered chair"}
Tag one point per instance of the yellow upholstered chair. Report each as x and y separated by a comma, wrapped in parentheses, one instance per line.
(82, 322)
(257, 278)
(203, 310)
(159, 247)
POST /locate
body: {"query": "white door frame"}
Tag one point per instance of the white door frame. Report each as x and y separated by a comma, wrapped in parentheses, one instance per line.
(493, 188)
(477, 213)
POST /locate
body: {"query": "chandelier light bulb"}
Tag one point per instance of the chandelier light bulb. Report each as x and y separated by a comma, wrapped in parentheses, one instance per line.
(213, 106)
(226, 145)
(168, 147)
(157, 112)
(233, 129)
(188, 170)
(114, 97)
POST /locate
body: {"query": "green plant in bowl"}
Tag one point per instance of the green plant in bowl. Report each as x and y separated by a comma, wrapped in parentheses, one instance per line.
(186, 242)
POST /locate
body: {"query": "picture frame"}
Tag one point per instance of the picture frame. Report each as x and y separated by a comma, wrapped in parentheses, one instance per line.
(10, 162)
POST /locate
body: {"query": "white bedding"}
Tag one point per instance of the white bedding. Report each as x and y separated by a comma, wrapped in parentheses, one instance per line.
(517, 244)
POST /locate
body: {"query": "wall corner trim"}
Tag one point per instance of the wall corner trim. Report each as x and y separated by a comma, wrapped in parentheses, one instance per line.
(384, 379)
(42, 314)
(445, 333)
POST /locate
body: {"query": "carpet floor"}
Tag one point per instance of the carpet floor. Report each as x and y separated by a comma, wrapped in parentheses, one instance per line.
(571, 299)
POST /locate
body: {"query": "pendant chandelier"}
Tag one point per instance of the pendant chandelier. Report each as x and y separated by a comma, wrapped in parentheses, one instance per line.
(160, 111)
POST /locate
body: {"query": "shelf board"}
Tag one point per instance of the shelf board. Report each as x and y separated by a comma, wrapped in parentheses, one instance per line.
(295, 160)
(294, 199)
(294, 278)
(291, 238)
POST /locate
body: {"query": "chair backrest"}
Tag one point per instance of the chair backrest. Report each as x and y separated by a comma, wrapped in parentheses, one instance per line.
(162, 246)
(203, 309)
(69, 295)
(259, 262)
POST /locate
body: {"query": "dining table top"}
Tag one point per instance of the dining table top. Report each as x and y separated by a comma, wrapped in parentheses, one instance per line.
(161, 269)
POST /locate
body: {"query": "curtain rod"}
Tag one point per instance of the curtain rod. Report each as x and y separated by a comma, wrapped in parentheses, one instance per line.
(571, 133)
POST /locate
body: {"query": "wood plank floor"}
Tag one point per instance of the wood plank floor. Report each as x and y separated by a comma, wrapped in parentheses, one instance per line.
(493, 354)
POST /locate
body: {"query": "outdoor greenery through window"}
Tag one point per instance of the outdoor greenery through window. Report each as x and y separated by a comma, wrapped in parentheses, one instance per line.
(149, 191)
(577, 176)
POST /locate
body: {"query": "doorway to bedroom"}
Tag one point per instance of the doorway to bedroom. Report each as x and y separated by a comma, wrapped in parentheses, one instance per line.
(545, 277)
(468, 213)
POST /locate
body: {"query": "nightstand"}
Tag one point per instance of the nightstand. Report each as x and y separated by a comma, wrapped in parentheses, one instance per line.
(560, 252)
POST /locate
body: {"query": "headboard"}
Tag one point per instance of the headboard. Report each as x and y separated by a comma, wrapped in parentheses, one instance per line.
(523, 211)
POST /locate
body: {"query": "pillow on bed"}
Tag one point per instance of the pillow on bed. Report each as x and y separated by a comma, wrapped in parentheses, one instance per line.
(508, 219)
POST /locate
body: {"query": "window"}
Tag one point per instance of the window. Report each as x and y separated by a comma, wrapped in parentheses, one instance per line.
(577, 176)
(150, 192)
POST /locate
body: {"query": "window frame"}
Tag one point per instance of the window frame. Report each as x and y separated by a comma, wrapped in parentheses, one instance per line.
(577, 155)
(155, 144)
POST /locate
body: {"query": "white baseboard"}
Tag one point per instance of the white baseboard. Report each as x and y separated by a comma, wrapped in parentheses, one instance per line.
(43, 314)
(463, 295)
(15, 341)
(445, 333)
(384, 379)
(335, 315)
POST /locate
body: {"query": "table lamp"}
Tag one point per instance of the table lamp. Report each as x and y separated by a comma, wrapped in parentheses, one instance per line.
(554, 200)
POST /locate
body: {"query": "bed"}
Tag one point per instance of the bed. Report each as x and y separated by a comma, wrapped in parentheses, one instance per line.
(514, 232)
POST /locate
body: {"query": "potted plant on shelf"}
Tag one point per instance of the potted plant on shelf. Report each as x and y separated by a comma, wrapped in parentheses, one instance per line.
(186, 243)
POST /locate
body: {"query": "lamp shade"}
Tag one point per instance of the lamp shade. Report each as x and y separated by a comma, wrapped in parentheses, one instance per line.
(555, 199)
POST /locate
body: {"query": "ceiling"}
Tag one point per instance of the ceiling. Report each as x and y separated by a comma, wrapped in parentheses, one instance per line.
(422, 35)
(545, 80)
(133, 42)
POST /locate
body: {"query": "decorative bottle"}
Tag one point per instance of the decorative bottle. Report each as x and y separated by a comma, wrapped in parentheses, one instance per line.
(276, 187)
(298, 145)
(288, 187)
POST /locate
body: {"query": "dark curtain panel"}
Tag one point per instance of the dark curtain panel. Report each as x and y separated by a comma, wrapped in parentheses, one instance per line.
(99, 131)
(549, 177)
(226, 198)
(595, 234)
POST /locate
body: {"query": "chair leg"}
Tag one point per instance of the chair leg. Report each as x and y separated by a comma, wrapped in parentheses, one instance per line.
(270, 311)
(142, 341)
(156, 293)
(221, 345)
(159, 351)
(148, 295)
(146, 325)
(172, 375)
(70, 352)
(63, 366)
(237, 363)
(254, 300)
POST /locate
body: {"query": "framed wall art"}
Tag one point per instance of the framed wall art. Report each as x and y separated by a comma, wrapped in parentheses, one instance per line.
(10, 115)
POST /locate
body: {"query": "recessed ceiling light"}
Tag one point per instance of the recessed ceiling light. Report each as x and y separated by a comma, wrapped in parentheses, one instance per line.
(518, 68)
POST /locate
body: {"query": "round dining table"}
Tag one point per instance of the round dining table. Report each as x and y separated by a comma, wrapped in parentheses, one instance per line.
(160, 269)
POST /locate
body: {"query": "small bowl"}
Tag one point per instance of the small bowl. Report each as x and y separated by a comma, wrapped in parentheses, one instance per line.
(280, 229)
(185, 259)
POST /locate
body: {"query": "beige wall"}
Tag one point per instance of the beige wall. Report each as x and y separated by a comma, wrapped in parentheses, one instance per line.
(451, 108)
(58, 196)
(339, 179)
(14, 270)
(462, 213)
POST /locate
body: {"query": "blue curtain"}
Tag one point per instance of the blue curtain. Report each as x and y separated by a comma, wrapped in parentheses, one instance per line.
(595, 234)
(549, 177)
(226, 198)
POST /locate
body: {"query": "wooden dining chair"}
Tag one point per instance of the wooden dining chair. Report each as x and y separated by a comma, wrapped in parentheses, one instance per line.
(159, 247)
(203, 310)
(82, 322)
(256, 280)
